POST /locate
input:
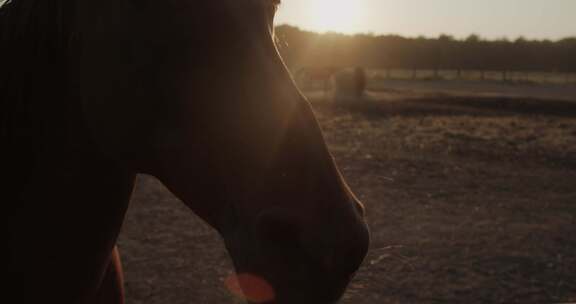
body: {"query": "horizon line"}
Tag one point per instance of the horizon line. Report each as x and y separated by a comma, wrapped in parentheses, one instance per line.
(455, 37)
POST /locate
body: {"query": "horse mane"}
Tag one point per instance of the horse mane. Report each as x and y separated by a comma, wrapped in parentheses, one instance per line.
(37, 104)
(36, 48)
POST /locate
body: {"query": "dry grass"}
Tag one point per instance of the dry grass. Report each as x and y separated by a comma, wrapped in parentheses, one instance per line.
(469, 202)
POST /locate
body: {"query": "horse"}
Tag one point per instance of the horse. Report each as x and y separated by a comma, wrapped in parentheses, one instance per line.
(192, 92)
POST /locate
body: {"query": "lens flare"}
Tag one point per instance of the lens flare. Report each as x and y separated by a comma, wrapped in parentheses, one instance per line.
(250, 287)
(335, 15)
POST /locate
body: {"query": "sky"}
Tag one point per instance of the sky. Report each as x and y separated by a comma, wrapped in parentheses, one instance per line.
(532, 19)
(494, 19)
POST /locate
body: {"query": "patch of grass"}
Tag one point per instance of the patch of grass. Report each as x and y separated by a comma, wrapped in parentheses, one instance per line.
(467, 203)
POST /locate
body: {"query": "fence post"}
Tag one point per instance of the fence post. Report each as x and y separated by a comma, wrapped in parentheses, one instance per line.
(326, 88)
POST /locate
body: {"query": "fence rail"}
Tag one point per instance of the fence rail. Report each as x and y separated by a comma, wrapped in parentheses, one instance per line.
(519, 77)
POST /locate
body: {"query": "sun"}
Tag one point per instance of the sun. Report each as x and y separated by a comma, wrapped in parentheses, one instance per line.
(344, 16)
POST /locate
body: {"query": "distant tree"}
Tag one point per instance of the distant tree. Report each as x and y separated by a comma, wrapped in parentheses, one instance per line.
(308, 49)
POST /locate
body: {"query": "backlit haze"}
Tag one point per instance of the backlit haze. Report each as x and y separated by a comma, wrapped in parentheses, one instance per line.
(533, 19)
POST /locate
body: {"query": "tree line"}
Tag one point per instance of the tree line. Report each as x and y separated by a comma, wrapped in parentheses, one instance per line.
(301, 48)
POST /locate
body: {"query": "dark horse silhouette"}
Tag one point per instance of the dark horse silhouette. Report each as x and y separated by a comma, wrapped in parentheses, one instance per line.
(190, 91)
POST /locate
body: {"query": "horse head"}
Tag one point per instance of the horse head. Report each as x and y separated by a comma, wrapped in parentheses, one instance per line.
(195, 93)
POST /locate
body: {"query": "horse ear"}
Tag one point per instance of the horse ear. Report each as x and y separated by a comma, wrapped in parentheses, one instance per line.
(278, 230)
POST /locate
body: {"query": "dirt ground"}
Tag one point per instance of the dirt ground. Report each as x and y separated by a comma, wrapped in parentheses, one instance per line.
(470, 200)
(481, 88)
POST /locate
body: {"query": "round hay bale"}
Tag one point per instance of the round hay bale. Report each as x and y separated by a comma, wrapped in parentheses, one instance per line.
(348, 85)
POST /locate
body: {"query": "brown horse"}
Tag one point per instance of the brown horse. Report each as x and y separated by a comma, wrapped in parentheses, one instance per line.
(190, 91)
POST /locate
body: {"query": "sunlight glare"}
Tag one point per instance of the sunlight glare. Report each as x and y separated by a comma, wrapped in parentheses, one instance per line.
(335, 15)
